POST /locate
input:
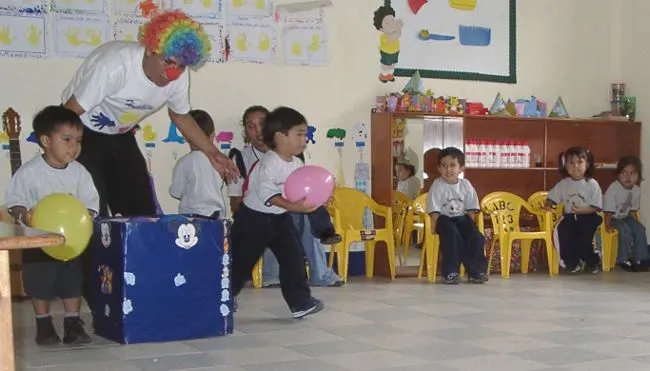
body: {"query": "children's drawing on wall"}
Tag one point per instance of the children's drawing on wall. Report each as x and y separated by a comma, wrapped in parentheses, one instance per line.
(173, 135)
(338, 135)
(224, 141)
(385, 21)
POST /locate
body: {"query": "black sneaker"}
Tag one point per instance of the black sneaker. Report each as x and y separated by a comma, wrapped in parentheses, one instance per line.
(331, 239)
(593, 269)
(338, 283)
(45, 332)
(73, 331)
(642, 266)
(480, 278)
(274, 285)
(313, 307)
(575, 270)
(627, 266)
(452, 279)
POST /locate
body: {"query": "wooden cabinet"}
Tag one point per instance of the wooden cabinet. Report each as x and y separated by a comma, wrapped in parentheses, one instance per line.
(547, 137)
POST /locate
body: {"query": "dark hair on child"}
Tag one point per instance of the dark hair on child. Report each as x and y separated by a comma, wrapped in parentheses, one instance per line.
(452, 152)
(633, 161)
(381, 13)
(301, 156)
(51, 118)
(204, 120)
(580, 152)
(253, 109)
(409, 167)
(280, 120)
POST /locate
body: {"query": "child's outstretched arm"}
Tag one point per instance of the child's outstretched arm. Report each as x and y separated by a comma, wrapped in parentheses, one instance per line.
(294, 207)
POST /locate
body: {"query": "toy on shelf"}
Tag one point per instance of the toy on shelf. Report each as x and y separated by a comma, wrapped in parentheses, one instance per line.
(530, 107)
(559, 109)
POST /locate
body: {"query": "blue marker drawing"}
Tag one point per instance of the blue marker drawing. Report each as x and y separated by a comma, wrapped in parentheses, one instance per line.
(474, 35)
(424, 35)
(32, 138)
(173, 136)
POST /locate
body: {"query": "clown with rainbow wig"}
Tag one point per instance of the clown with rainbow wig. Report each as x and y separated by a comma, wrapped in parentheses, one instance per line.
(120, 84)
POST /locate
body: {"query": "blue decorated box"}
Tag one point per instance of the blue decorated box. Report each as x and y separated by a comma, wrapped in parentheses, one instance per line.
(161, 279)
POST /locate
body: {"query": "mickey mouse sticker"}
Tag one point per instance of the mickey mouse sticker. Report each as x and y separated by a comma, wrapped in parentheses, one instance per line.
(186, 236)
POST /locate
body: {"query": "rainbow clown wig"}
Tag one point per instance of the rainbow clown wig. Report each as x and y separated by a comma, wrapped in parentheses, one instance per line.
(173, 34)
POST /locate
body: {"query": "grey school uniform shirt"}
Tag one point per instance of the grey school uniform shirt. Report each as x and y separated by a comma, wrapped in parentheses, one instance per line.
(452, 200)
(582, 193)
(620, 201)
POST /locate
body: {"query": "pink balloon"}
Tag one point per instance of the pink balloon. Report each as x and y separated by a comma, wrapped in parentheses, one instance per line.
(314, 183)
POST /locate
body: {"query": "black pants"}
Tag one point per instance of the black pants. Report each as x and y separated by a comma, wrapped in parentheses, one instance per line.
(321, 223)
(121, 177)
(461, 242)
(251, 233)
(576, 236)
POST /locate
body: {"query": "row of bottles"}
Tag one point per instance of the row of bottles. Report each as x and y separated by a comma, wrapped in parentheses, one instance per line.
(497, 153)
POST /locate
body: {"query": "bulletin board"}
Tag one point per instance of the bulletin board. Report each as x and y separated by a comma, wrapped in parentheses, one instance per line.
(458, 39)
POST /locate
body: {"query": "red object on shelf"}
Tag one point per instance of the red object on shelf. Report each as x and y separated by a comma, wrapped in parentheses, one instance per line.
(416, 5)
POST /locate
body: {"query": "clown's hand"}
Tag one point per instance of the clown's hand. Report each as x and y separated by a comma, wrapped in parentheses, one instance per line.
(224, 166)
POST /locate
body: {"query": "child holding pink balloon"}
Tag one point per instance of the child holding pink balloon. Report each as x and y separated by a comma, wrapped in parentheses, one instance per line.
(59, 132)
(263, 218)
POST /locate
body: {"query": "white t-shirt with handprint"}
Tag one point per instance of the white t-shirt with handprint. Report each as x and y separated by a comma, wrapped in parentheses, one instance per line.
(620, 201)
(452, 200)
(112, 88)
(580, 193)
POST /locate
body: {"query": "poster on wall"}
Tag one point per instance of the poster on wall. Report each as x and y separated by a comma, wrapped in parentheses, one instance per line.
(22, 35)
(452, 39)
(305, 44)
(77, 36)
(253, 41)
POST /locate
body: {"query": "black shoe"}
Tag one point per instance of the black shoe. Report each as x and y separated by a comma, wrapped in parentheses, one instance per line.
(480, 278)
(593, 269)
(331, 239)
(73, 331)
(627, 266)
(274, 285)
(452, 279)
(642, 266)
(575, 270)
(45, 332)
(338, 283)
(313, 307)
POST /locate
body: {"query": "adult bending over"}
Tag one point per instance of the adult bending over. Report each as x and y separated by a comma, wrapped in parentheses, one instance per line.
(117, 86)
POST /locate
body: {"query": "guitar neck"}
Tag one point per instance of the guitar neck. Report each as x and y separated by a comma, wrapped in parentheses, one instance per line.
(15, 158)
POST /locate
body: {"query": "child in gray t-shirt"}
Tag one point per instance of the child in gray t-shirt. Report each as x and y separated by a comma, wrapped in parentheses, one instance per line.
(621, 204)
(452, 203)
(581, 197)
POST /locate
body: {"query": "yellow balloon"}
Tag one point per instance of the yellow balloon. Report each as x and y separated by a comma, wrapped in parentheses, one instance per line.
(63, 214)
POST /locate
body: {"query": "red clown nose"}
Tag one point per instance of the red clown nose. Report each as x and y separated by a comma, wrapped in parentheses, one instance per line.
(172, 73)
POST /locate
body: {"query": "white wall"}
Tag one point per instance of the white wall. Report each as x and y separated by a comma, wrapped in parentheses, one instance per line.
(634, 54)
(568, 48)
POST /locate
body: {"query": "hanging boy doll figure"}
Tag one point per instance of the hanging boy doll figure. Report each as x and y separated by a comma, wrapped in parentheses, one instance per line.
(391, 31)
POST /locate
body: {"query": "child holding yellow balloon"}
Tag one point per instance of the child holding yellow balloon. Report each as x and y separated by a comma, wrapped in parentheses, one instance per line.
(59, 132)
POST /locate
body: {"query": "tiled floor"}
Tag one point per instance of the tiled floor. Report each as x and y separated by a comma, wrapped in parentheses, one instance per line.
(525, 323)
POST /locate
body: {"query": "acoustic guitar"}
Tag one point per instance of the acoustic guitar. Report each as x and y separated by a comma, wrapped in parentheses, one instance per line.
(12, 126)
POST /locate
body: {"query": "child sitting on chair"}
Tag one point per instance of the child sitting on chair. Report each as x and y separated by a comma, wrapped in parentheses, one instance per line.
(59, 132)
(453, 206)
(621, 204)
(195, 182)
(581, 196)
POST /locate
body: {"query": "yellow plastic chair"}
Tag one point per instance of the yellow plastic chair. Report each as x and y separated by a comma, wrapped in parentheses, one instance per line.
(609, 244)
(538, 201)
(351, 205)
(401, 206)
(504, 209)
(257, 274)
